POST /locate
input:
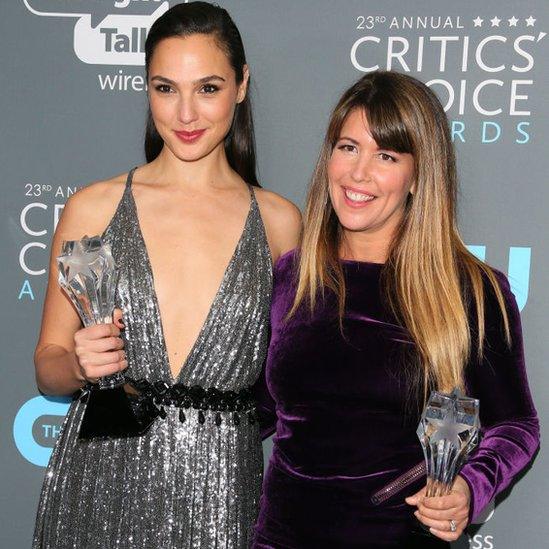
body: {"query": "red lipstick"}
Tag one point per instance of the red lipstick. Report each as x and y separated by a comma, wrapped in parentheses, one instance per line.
(189, 137)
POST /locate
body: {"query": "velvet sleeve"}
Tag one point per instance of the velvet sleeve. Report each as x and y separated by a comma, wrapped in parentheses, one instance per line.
(265, 405)
(509, 422)
(282, 297)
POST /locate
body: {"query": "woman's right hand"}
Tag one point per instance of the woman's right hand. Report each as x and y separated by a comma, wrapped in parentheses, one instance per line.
(99, 349)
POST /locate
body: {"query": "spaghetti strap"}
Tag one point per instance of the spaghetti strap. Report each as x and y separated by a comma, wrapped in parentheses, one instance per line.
(254, 203)
(129, 179)
(122, 204)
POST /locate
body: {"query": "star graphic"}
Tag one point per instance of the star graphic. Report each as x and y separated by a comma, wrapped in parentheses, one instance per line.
(86, 258)
(478, 21)
(450, 419)
(495, 21)
(86, 272)
(530, 21)
(513, 21)
(448, 430)
(77, 262)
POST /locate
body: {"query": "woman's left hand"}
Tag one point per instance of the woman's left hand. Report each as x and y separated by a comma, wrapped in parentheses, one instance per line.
(446, 516)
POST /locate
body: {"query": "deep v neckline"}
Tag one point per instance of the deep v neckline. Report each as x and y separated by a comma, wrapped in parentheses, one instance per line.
(207, 320)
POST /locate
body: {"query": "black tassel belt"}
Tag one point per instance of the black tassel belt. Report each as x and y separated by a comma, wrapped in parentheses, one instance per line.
(240, 403)
(131, 409)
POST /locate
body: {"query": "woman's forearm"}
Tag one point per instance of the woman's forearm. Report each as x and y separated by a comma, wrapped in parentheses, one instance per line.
(57, 371)
(505, 450)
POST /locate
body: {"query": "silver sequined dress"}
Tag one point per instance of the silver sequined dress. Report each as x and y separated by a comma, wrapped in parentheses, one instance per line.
(181, 485)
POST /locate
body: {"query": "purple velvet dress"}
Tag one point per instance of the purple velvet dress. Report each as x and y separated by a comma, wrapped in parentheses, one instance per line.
(346, 426)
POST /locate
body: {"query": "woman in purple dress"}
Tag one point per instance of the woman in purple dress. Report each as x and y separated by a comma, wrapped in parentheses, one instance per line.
(381, 303)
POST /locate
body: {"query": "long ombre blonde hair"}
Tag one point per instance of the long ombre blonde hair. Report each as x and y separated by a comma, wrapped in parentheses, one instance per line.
(429, 276)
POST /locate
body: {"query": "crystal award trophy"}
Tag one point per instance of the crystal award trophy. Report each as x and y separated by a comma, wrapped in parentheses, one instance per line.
(448, 432)
(88, 276)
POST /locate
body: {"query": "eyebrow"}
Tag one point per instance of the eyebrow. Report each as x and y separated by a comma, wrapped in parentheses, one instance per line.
(199, 81)
(353, 141)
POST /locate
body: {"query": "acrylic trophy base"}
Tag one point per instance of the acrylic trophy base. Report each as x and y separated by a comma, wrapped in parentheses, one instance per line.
(111, 382)
(434, 489)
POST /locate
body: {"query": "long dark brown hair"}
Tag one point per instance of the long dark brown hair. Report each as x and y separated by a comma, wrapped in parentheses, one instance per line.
(428, 268)
(205, 18)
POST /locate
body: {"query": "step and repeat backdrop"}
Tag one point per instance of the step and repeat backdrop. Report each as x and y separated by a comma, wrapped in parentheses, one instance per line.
(73, 107)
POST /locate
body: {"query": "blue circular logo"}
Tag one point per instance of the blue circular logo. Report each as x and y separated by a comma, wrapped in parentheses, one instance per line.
(36, 427)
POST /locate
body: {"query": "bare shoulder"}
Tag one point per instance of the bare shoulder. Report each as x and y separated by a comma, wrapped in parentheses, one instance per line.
(282, 220)
(272, 204)
(89, 210)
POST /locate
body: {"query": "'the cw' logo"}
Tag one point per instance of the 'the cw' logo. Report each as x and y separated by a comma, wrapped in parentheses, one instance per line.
(518, 271)
(37, 425)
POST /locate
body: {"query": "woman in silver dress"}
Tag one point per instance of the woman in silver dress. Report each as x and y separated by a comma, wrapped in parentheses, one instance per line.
(193, 238)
